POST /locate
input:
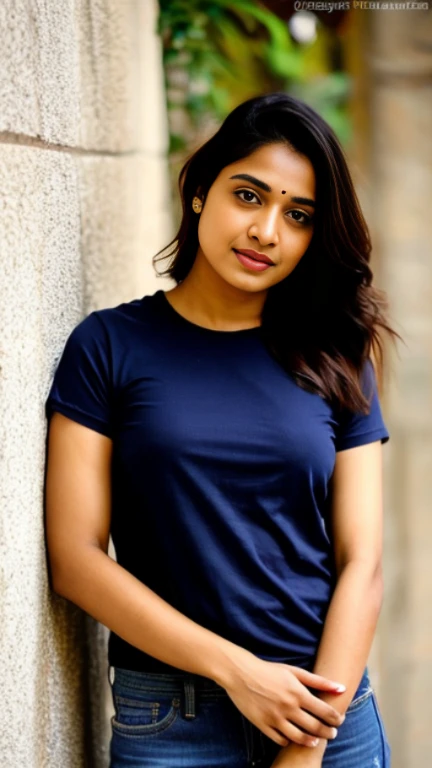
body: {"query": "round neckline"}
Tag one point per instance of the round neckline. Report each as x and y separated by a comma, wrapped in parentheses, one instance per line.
(180, 319)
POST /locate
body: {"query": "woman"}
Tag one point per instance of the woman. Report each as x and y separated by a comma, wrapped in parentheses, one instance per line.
(228, 434)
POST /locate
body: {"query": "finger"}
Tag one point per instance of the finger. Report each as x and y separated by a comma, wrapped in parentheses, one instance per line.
(314, 727)
(275, 736)
(279, 738)
(319, 708)
(292, 733)
(317, 681)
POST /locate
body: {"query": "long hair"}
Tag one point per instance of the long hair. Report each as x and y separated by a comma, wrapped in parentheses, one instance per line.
(324, 320)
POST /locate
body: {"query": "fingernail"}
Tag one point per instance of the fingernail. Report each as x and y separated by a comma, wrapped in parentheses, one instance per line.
(314, 742)
(340, 687)
(334, 733)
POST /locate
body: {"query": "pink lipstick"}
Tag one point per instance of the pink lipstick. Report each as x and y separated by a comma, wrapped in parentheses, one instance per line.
(253, 263)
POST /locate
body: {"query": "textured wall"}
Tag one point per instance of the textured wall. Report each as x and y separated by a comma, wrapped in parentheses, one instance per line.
(400, 57)
(84, 202)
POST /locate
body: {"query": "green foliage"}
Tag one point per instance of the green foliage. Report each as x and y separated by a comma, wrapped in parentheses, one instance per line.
(217, 53)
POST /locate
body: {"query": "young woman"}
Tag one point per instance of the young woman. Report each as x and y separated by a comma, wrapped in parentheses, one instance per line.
(228, 434)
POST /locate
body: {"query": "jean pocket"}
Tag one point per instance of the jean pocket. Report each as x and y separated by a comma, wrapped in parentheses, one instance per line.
(141, 714)
(360, 701)
(385, 744)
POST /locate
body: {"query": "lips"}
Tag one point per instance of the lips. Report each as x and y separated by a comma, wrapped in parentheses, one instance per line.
(255, 255)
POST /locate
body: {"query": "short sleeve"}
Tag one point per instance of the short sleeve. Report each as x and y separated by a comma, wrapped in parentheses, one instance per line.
(355, 429)
(82, 387)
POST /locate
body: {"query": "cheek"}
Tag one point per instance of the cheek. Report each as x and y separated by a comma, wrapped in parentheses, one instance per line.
(207, 229)
(295, 246)
(216, 227)
(297, 241)
(307, 239)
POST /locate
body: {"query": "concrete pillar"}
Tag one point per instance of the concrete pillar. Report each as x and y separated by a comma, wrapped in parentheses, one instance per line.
(85, 203)
(399, 53)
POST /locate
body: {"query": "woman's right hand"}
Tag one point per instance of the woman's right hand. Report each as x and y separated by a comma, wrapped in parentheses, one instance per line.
(274, 697)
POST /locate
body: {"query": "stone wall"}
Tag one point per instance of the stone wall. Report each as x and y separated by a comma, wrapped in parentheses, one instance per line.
(398, 48)
(85, 203)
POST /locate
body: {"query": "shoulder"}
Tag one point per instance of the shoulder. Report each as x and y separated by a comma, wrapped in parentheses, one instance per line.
(357, 428)
(108, 323)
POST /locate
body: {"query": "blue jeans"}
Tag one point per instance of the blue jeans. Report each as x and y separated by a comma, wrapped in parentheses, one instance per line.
(182, 720)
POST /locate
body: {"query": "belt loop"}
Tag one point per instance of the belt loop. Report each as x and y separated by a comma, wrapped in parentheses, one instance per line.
(110, 668)
(189, 697)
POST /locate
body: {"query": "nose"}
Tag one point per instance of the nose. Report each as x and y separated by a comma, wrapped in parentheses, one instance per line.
(264, 227)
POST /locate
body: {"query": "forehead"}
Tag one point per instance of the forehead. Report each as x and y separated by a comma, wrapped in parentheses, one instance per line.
(279, 166)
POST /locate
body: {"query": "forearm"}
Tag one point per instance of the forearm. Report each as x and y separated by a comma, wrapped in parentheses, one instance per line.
(113, 596)
(349, 630)
(347, 636)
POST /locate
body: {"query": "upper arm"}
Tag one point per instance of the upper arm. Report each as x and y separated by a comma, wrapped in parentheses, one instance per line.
(77, 491)
(80, 411)
(357, 505)
(356, 487)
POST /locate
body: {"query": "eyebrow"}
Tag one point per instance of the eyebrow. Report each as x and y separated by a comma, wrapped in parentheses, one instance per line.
(267, 188)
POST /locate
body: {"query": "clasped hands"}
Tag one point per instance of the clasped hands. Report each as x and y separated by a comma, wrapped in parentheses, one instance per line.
(275, 697)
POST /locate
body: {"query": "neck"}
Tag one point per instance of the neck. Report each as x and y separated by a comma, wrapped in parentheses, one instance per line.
(203, 297)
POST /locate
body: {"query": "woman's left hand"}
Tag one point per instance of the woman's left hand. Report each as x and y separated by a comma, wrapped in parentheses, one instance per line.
(304, 757)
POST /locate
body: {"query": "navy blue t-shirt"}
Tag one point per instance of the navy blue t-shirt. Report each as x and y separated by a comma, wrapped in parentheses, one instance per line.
(220, 473)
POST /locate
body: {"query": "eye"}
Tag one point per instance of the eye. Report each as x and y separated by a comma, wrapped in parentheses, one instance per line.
(306, 218)
(245, 192)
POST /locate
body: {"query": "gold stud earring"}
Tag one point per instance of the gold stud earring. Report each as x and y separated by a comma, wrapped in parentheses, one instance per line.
(197, 205)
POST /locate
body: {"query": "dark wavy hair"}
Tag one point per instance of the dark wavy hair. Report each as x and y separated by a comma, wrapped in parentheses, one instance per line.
(325, 319)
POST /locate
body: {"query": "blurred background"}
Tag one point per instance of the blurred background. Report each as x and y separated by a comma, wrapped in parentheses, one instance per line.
(101, 102)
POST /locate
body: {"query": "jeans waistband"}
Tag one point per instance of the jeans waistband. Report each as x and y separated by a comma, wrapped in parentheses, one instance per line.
(189, 686)
(184, 684)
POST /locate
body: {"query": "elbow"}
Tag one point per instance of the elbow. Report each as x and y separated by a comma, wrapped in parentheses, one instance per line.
(376, 577)
(368, 569)
(69, 571)
(374, 585)
(368, 573)
(378, 583)
(55, 579)
(376, 588)
(60, 572)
